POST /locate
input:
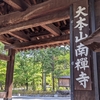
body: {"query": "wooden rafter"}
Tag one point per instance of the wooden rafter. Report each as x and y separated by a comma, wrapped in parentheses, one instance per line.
(49, 6)
(5, 40)
(35, 16)
(34, 1)
(40, 35)
(43, 41)
(20, 35)
(52, 29)
(28, 2)
(13, 4)
(58, 16)
(17, 4)
(45, 45)
(93, 41)
(48, 41)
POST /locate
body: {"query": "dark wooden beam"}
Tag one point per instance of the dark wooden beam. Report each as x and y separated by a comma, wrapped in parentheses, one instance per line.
(40, 35)
(4, 57)
(34, 1)
(95, 37)
(5, 40)
(39, 43)
(13, 4)
(17, 4)
(31, 2)
(28, 2)
(47, 19)
(46, 45)
(47, 7)
(52, 29)
(48, 41)
(97, 50)
(20, 35)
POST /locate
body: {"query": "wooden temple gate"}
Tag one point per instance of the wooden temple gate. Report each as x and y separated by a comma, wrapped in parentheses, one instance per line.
(33, 24)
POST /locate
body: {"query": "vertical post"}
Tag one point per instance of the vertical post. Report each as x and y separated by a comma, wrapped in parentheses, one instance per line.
(9, 75)
(71, 53)
(92, 15)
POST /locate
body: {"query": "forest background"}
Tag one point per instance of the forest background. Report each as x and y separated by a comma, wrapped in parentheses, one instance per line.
(37, 70)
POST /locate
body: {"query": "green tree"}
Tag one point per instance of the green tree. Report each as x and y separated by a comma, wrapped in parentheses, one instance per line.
(41, 67)
(3, 65)
(2, 73)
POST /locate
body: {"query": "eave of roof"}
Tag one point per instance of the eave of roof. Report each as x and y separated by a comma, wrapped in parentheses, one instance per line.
(93, 41)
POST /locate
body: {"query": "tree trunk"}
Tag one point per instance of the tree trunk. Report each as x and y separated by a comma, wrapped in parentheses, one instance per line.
(1, 88)
(26, 84)
(44, 81)
(33, 85)
(53, 85)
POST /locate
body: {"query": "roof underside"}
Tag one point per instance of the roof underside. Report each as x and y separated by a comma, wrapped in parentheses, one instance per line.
(32, 24)
(93, 41)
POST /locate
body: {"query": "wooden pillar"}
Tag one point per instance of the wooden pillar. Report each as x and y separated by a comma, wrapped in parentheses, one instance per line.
(97, 24)
(94, 56)
(9, 75)
(71, 53)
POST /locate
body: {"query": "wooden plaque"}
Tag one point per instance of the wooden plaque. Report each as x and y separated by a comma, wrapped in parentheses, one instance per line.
(82, 75)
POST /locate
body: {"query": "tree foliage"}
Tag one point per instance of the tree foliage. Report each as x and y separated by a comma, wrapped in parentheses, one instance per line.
(3, 65)
(38, 69)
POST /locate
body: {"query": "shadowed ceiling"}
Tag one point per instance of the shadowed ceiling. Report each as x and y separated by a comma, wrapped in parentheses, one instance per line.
(33, 24)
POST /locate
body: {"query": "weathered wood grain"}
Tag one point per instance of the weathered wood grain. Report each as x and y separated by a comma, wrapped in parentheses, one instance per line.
(9, 74)
(20, 35)
(34, 11)
(5, 40)
(84, 95)
(39, 43)
(42, 41)
(52, 29)
(17, 4)
(48, 19)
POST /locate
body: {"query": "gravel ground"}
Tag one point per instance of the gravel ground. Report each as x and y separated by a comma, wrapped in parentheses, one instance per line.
(39, 98)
